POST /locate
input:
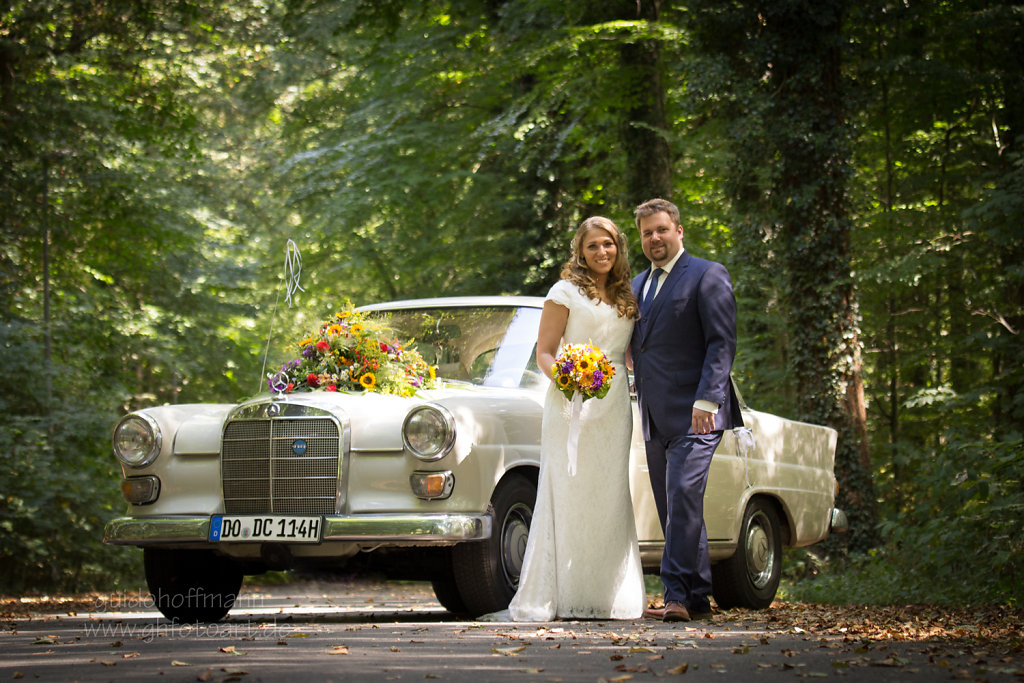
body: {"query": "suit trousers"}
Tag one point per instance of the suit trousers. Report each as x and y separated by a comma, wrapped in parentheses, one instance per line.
(678, 468)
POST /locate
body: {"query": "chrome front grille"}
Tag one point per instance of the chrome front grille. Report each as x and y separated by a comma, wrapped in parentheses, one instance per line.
(265, 471)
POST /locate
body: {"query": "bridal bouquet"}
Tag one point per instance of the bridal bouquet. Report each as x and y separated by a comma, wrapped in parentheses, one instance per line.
(583, 368)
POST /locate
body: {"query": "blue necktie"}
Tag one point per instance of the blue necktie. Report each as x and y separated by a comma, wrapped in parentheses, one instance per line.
(652, 289)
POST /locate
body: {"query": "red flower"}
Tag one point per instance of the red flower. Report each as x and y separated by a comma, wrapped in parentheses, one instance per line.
(291, 386)
(312, 380)
(331, 387)
(383, 347)
(323, 346)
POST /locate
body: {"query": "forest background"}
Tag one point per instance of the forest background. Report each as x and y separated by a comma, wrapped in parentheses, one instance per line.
(857, 166)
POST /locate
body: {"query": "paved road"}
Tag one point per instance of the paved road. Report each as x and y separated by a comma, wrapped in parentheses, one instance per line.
(387, 631)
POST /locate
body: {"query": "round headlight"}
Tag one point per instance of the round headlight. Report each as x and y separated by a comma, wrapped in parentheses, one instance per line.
(137, 440)
(429, 432)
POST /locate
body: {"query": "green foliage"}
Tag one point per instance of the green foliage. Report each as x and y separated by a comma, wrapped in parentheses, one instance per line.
(958, 543)
(58, 494)
(119, 284)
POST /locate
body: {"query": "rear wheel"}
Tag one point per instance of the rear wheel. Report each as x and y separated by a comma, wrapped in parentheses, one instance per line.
(750, 578)
(487, 572)
(191, 585)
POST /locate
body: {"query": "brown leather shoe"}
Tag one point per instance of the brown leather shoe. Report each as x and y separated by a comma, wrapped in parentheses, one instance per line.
(655, 613)
(675, 611)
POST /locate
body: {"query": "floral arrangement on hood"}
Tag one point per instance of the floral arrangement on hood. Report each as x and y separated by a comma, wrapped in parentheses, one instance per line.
(352, 352)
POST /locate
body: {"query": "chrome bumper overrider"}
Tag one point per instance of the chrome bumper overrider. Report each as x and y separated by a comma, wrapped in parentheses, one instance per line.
(377, 528)
(838, 524)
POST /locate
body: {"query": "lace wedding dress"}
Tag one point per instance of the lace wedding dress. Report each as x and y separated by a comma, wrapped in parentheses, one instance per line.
(582, 558)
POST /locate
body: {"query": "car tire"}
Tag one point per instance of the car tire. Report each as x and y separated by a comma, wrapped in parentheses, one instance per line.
(487, 572)
(750, 578)
(446, 589)
(191, 585)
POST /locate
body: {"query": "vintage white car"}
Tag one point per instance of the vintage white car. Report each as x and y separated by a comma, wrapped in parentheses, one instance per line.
(438, 486)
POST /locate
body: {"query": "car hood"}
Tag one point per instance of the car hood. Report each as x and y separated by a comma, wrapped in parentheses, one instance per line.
(374, 419)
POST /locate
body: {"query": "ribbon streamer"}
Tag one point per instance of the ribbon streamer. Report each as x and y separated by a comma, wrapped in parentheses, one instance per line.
(572, 447)
(745, 443)
(292, 271)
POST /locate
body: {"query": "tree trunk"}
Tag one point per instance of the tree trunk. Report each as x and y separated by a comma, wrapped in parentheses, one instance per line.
(811, 137)
(644, 127)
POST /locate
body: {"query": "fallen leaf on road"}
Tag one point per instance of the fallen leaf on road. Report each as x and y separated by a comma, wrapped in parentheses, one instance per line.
(338, 650)
(175, 662)
(508, 651)
(681, 669)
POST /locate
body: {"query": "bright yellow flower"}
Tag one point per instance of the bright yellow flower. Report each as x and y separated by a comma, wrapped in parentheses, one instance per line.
(306, 341)
(368, 380)
(358, 327)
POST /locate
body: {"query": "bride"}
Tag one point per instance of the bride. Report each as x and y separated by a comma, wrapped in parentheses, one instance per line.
(582, 560)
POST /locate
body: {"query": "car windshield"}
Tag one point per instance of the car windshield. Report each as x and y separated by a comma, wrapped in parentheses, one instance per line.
(487, 345)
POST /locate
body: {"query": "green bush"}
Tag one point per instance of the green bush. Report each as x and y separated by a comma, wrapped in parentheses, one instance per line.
(959, 543)
(60, 487)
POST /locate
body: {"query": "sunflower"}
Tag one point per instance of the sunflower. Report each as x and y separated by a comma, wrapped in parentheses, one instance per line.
(563, 381)
(358, 327)
(368, 380)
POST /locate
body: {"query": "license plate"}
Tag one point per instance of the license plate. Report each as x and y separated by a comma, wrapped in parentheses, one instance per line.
(266, 528)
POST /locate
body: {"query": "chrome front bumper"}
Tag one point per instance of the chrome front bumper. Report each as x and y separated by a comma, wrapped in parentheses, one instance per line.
(376, 528)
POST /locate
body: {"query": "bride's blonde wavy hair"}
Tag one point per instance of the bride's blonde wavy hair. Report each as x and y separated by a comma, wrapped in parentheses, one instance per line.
(618, 286)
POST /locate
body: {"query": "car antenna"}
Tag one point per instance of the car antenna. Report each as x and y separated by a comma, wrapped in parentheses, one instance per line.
(292, 273)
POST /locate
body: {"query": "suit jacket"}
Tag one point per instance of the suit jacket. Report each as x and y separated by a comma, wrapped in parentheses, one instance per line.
(684, 347)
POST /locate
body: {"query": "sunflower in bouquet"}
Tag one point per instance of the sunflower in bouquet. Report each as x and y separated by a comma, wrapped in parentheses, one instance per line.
(583, 368)
(351, 352)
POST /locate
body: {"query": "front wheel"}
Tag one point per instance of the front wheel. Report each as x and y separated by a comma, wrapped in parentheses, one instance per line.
(487, 572)
(191, 585)
(750, 578)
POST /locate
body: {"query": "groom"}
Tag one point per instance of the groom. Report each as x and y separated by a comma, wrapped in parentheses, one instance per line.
(682, 349)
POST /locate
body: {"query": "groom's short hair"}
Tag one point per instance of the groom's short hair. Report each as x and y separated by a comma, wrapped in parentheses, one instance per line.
(653, 206)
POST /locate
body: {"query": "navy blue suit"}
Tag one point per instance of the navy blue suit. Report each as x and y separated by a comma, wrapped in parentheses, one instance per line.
(682, 351)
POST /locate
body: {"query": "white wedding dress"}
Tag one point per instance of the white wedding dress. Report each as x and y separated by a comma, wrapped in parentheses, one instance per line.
(582, 559)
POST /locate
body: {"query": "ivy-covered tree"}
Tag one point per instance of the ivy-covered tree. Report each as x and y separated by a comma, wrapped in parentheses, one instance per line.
(783, 92)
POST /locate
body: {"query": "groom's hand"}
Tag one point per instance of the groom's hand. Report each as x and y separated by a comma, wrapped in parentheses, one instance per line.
(703, 421)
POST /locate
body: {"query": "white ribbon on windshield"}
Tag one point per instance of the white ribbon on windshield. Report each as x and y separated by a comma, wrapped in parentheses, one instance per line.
(292, 271)
(745, 444)
(574, 431)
